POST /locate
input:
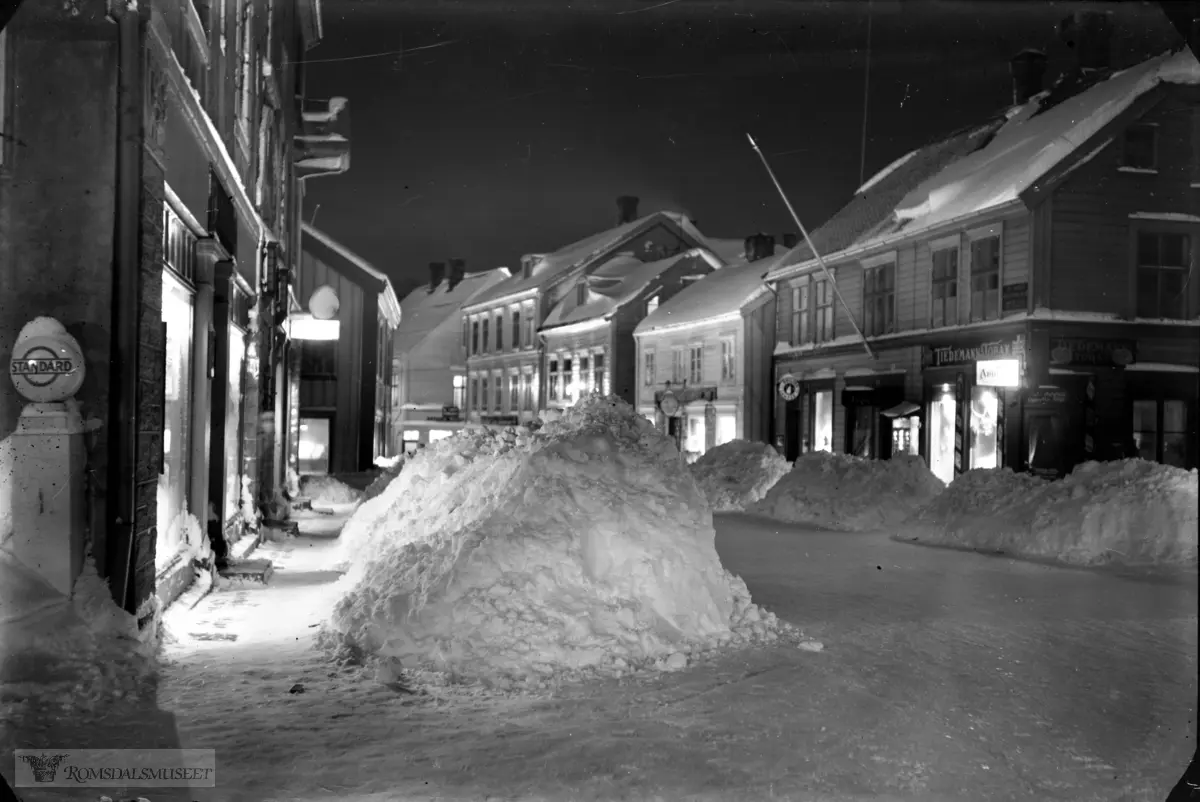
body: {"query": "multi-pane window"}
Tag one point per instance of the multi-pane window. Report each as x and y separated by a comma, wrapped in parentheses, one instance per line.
(599, 375)
(800, 312)
(728, 369)
(879, 300)
(514, 392)
(459, 399)
(585, 375)
(553, 379)
(985, 278)
(500, 331)
(824, 313)
(1163, 261)
(1160, 431)
(318, 359)
(568, 393)
(677, 365)
(516, 328)
(696, 364)
(474, 337)
(1139, 148)
(527, 391)
(483, 394)
(945, 288)
(485, 335)
(528, 341)
(651, 305)
(648, 367)
(499, 383)
(179, 245)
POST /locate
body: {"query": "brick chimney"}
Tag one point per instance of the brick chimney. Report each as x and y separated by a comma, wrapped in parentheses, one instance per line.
(458, 268)
(1028, 68)
(437, 271)
(1089, 34)
(790, 240)
(627, 209)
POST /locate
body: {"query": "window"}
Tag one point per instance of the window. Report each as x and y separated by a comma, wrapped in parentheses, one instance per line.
(580, 293)
(516, 328)
(726, 429)
(599, 375)
(585, 375)
(651, 305)
(459, 399)
(985, 278)
(475, 392)
(527, 391)
(1160, 431)
(727, 362)
(879, 300)
(677, 365)
(499, 384)
(247, 76)
(554, 380)
(944, 310)
(1163, 261)
(174, 470)
(178, 244)
(822, 421)
(514, 392)
(466, 335)
(499, 331)
(1139, 150)
(528, 342)
(824, 295)
(568, 390)
(474, 336)
(696, 364)
(648, 377)
(483, 394)
(318, 359)
(485, 335)
(800, 312)
(312, 447)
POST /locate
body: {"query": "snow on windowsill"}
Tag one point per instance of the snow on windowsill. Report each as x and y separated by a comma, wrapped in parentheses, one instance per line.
(1172, 217)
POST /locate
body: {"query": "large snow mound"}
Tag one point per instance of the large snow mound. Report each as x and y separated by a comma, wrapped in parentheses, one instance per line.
(838, 491)
(508, 555)
(738, 473)
(329, 490)
(1128, 512)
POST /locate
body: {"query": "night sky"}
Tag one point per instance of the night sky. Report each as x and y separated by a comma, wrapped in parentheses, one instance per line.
(505, 127)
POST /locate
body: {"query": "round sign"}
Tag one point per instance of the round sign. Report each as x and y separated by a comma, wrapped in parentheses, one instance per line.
(47, 368)
(323, 303)
(789, 389)
(669, 404)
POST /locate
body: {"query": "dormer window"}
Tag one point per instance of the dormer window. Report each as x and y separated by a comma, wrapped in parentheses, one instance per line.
(651, 305)
(1140, 147)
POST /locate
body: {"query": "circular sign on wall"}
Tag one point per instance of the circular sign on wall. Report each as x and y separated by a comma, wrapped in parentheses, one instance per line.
(789, 388)
(668, 403)
(47, 368)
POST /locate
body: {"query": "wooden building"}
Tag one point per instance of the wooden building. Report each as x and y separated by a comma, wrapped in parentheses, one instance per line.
(345, 397)
(1022, 287)
(704, 355)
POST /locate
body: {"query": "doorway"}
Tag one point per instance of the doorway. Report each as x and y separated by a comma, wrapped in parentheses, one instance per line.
(1045, 432)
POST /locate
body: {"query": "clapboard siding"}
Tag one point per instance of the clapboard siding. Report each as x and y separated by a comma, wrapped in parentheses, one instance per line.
(849, 279)
(909, 308)
(1091, 235)
(1014, 256)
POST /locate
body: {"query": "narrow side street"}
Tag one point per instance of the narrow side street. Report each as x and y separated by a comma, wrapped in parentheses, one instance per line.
(946, 676)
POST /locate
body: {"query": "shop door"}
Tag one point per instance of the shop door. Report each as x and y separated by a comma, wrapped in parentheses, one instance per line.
(675, 430)
(1046, 446)
(794, 425)
(860, 431)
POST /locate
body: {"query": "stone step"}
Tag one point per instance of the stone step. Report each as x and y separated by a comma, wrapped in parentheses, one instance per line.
(259, 571)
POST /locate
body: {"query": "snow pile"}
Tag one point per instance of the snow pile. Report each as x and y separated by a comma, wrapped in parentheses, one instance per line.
(385, 477)
(7, 466)
(738, 473)
(1128, 512)
(839, 491)
(328, 490)
(504, 555)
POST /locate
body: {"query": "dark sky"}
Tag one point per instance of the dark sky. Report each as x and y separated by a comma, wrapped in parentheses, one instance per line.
(518, 132)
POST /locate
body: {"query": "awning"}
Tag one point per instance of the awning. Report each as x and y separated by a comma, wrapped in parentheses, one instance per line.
(902, 410)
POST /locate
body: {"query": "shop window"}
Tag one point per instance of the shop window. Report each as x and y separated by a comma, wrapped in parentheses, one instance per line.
(474, 337)
(484, 398)
(906, 435)
(696, 364)
(1139, 147)
(499, 331)
(824, 293)
(599, 375)
(648, 378)
(177, 417)
(459, 399)
(944, 310)
(485, 335)
(1163, 260)
(985, 278)
(318, 359)
(178, 245)
(554, 381)
(677, 365)
(942, 412)
(585, 375)
(879, 300)
(822, 426)
(1160, 431)
(728, 365)
(726, 428)
(800, 313)
(985, 419)
(314, 444)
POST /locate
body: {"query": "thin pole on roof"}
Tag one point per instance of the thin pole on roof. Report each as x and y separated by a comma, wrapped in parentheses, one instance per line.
(862, 158)
(816, 253)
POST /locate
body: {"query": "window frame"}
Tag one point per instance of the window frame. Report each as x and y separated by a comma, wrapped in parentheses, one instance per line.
(950, 245)
(515, 317)
(599, 372)
(823, 314)
(1152, 129)
(1163, 229)
(801, 323)
(475, 340)
(652, 304)
(498, 377)
(972, 238)
(528, 329)
(872, 271)
(458, 391)
(677, 367)
(1160, 401)
(499, 315)
(553, 372)
(695, 363)
(514, 390)
(649, 372)
(728, 360)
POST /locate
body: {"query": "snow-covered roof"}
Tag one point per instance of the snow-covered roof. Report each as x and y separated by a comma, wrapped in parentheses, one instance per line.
(615, 283)
(550, 267)
(719, 293)
(423, 311)
(348, 257)
(1034, 141)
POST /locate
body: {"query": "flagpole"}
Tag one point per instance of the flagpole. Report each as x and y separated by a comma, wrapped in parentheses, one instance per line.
(816, 253)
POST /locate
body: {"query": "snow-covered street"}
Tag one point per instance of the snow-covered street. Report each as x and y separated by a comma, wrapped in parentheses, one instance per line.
(945, 676)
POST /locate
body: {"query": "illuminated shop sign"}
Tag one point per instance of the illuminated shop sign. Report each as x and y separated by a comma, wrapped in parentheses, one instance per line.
(998, 373)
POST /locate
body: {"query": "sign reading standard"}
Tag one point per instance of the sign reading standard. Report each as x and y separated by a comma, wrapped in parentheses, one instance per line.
(46, 367)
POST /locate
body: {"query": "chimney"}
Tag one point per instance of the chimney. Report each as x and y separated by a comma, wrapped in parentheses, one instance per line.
(1028, 68)
(759, 246)
(790, 240)
(458, 268)
(437, 271)
(1089, 34)
(627, 209)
